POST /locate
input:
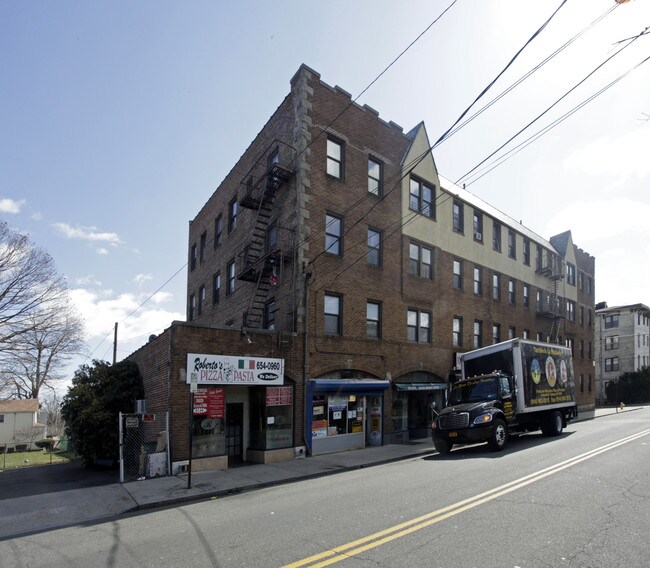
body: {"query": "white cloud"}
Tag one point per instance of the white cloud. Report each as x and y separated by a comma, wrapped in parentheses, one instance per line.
(11, 205)
(102, 251)
(594, 221)
(37, 216)
(87, 280)
(140, 279)
(162, 298)
(625, 155)
(86, 234)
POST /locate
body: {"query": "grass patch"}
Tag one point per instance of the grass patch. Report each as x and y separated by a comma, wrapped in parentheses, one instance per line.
(35, 457)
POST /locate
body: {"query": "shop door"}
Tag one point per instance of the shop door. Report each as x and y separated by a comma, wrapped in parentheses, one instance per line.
(234, 432)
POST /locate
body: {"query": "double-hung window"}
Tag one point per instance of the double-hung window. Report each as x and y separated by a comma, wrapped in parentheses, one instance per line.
(420, 261)
(373, 320)
(457, 331)
(418, 326)
(496, 286)
(458, 217)
(375, 176)
(216, 287)
(457, 276)
(496, 236)
(335, 158)
(421, 198)
(230, 285)
(232, 215)
(512, 244)
(333, 234)
(478, 334)
(332, 314)
(478, 226)
(201, 299)
(218, 229)
(478, 280)
(511, 292)
(374, 247)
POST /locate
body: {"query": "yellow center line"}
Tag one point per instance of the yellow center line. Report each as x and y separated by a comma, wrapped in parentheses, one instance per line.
(328, 557)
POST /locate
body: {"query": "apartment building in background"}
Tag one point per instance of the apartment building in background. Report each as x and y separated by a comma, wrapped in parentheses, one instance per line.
(334, 246)
(623, 343)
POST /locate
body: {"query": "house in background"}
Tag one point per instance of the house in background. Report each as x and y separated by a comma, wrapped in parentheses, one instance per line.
(623, 340)
(19, 425)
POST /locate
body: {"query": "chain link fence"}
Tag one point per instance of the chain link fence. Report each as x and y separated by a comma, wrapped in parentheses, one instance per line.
(144, 446)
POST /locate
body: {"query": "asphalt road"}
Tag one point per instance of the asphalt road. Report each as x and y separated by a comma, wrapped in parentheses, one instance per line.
(580, 500)
(36, 480)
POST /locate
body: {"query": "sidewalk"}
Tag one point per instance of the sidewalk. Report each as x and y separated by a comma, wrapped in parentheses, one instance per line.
(54, 510)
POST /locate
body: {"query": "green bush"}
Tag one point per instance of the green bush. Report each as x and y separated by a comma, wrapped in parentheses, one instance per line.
(46, 444)
(92, 406)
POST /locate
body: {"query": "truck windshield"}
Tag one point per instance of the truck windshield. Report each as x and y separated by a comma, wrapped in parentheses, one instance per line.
(474, 390)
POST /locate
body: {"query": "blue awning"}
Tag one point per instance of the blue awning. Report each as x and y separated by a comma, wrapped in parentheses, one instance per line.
(365, 386)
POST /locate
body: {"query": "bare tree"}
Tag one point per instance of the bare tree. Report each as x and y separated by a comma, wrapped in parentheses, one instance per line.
(29, 284)
(39, 328)
(51, 407)
(38, 355)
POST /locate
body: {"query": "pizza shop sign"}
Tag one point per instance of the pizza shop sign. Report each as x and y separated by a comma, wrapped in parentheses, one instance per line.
(234, 370)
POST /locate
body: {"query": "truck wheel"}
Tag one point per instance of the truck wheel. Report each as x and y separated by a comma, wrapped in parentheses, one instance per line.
(554, 424)
(499, 436)
(443, 447)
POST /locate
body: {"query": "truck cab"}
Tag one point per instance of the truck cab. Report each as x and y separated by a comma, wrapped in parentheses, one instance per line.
(479, 409)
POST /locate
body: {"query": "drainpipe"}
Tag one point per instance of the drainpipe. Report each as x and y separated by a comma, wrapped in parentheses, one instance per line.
(305, 364)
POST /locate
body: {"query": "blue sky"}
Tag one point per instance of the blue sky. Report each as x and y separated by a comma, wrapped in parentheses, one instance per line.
(119, 119)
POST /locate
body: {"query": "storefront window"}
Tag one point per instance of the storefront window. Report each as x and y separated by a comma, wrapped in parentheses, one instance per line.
(271, 418)
(400, 411)
(208, 436)
(336, 415)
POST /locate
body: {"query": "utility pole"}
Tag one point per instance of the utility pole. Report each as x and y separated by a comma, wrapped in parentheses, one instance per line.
(115, 345)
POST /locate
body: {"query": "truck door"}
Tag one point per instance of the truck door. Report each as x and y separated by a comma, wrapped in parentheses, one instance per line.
(507, 399)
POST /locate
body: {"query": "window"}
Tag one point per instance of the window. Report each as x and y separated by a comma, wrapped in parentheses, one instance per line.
(512, 332)
(192, 307)
(457, 331)
(2, 418)
(582, 349)
(511, 292)
(611, 321)
(538, 259)
(204, 241)
(375, 176)
(420, 261)
(332, 311)
(571, 310)
(458, 217)
(373, 320)
(269, 314)
(611, 343)
(418, 326)
(193, 255)
(496, 333)
(457, 279)
(496, 286)
(271, 238)
(333, 234)
(589, 317)
(216, 287)
(526, 252)
(571, 274)
(582, 383)
(526, 296)
(421, 198)
(512, 244)
(539, 336)
(581, 281)
(374, 247)
(218, 228)
(230, 285)
(478, 334)
(589, 285)
(496, 236)
(589, 383)
(201, 299)
(477, 226)
(334, 158)
(526, 333)
(232, 215)
(582, 315)
(478, 280)
(611, 364)
(589, 350)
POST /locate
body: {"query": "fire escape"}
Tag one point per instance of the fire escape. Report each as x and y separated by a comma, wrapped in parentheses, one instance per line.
(262, 259)
(551, 306)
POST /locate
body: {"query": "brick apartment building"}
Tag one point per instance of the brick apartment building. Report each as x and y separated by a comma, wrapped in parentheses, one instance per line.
(334, 247)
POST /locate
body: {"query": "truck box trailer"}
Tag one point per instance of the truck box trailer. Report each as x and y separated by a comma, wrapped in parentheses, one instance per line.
(508, 388)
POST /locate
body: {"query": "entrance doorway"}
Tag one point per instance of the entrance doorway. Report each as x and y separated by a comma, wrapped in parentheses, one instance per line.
(235, 433)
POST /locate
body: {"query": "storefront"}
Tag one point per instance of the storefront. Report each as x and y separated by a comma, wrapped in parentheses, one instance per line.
(344, 414)
(412, 406)
(242, 410)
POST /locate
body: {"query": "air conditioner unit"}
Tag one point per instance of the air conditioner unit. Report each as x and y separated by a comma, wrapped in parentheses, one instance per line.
(478, 236)
(299, 452)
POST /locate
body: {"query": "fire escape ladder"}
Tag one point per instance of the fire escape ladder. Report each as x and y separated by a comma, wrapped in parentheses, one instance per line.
(261, 259)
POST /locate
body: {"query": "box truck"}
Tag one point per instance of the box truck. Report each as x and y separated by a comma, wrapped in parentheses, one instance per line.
(506, 389)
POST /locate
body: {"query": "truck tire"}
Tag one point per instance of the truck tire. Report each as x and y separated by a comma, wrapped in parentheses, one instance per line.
(499, 436)
(553, 424)
(443, 447)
